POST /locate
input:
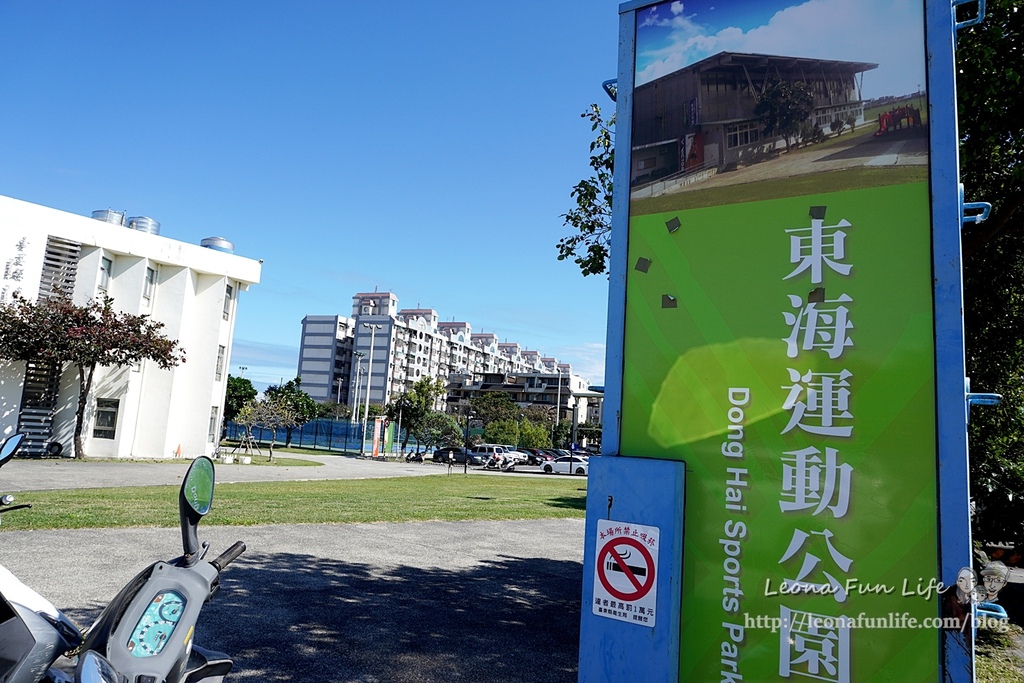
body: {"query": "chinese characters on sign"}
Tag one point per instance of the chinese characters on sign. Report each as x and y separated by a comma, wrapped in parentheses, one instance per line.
(14, 272)
(816, 484)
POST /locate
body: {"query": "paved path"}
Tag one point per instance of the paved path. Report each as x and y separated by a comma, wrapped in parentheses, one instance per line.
(905, 147)
(35, 475)
(424, 602)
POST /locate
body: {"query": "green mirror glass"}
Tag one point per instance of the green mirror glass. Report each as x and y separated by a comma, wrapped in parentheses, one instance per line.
(197, 488)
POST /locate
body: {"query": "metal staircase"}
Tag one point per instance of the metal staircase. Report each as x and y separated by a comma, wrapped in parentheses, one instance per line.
(38, 401)
(42, 379)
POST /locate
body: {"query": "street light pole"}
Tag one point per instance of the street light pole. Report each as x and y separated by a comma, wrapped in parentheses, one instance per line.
(369, 378)
(359, 380)
(558, 401)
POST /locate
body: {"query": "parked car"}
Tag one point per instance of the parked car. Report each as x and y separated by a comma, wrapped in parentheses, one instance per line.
(568, 464)
(476, 459)
(486, 451)
(450, 453)
(537, 456)
(520, 457)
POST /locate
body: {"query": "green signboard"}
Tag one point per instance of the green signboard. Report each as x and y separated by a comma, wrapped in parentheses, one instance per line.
(779, 331)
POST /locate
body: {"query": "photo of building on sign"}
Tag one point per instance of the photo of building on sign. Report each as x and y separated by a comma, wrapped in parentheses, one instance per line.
(725, 97)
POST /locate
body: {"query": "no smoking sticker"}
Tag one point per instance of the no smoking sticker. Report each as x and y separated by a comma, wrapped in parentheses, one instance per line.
(625, 576)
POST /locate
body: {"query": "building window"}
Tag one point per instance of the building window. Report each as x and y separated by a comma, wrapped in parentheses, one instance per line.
(219, 370)
(149, 286)
(742, 135)
(211, 436)
(106, 418)
(649, 162)
(229, 294)
(106, 266)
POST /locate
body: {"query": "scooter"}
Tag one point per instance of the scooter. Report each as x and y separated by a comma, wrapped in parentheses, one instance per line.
(33, 633)
(501, 463)
(145, 634)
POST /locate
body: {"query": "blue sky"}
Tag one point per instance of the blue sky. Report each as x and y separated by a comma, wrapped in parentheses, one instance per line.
(889, 33)
(426, 148)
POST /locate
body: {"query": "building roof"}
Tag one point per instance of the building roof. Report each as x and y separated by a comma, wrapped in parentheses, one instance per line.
(783, 66)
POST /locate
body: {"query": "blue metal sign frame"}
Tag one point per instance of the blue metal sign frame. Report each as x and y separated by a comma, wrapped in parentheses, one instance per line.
(634, 476)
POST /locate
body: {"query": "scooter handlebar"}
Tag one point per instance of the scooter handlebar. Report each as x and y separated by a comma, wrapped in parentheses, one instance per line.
(228, 556)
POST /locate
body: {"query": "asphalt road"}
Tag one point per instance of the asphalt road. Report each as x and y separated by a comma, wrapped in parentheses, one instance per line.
(368, 603)
(29, 474)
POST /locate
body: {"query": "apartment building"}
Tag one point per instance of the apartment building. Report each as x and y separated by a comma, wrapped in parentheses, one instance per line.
(140, 411)
(383, 350)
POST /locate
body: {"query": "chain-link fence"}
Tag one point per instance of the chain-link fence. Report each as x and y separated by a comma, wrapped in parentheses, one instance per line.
(329, 435)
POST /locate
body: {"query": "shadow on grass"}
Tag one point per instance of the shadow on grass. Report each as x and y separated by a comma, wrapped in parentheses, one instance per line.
(298, 617)
(572, 503)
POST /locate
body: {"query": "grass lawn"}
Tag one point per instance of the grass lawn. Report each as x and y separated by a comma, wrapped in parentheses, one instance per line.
(998, 656)
(403, 499)
(798, 186)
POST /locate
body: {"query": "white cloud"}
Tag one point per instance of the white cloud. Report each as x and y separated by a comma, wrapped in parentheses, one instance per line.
(886, 32)
(650, 18)
(587, 360)
(677, 7)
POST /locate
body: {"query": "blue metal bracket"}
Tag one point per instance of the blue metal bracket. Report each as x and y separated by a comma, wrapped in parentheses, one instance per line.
(983, 207)
(978, 399)
(970, 22)
(612, 88)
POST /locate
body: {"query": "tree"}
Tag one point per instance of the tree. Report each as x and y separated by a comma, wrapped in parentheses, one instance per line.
(438, 429)
(562, 436)
(56, 330)
(533, 435)
(591, 218)
(246, 418)
(412, 407)
(303, 407)
(540, 415)
(239, 392)
(331, 410)
(494, 406)
(407, 413)
(782, 107)
(990, 70)
(591, 432)
(273, 414)
(502, 431)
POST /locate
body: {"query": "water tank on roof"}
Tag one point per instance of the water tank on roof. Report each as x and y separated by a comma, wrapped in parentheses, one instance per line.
(109, 216)
(218, 244)
(144, 224)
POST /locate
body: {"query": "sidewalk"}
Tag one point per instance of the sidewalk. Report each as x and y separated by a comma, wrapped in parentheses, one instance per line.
(26, 474)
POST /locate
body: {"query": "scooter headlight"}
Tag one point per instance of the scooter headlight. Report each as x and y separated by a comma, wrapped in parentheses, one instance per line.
(94, 668)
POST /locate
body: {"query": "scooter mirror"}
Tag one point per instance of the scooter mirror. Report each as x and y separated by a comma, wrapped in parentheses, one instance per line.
(194, 501)
(94, 668)
(197, 489)
(9, 447)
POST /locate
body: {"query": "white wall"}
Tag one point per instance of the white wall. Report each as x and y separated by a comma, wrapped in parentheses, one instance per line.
(159, 410)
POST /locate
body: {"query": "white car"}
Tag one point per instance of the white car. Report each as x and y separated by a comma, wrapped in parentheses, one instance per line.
(574, 464)
(519, 457)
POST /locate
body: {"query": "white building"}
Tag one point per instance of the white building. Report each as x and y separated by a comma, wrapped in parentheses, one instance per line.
(409, 344)
(140, 411)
